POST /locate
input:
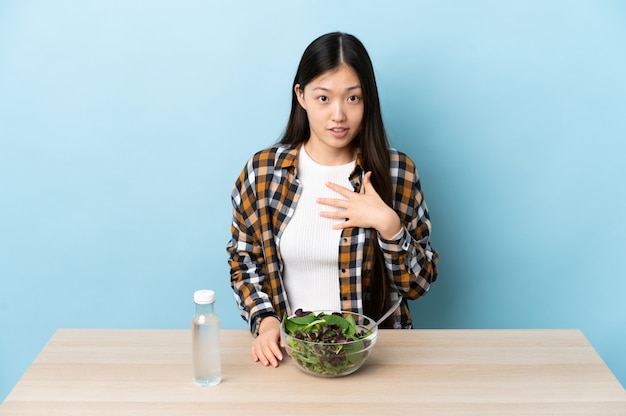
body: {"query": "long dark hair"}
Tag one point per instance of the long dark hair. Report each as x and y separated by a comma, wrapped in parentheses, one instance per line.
(327, 53)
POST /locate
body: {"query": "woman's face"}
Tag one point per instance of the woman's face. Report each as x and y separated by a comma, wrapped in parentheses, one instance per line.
(334, 105)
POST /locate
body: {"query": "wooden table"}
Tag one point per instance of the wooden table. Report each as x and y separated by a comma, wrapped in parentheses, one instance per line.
(425, 372)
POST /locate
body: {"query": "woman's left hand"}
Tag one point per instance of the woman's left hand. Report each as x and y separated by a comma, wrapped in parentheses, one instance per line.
(365, 209)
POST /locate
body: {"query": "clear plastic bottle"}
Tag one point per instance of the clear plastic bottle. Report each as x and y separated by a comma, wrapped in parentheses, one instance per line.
(205, 338)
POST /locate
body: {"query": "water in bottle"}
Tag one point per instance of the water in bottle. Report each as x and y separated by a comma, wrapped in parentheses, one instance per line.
(205, 340)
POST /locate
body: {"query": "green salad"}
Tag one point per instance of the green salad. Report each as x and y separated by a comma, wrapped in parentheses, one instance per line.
(334, 344)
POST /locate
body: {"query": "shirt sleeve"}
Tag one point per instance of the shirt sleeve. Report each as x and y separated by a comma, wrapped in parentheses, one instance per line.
(246, 261)
(409, 257)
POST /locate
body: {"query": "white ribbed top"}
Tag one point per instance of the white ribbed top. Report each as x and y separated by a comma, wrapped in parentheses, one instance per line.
(309, 246)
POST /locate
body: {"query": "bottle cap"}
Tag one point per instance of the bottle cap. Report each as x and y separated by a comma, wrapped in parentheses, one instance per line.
(204, 297)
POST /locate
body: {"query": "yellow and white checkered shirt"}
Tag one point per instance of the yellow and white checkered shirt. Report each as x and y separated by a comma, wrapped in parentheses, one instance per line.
(264, 198)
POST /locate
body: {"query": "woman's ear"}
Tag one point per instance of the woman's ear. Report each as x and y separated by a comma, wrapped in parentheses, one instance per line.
(300, 95)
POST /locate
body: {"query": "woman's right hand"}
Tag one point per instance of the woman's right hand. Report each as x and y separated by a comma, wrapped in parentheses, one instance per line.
(265, 347)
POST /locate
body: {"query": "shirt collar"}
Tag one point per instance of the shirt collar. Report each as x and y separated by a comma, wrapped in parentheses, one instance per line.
(289, 158)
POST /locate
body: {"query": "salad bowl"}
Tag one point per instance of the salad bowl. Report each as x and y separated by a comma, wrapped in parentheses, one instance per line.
(327, 343)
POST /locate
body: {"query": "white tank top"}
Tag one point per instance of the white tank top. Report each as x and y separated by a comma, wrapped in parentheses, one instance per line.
(309, 246)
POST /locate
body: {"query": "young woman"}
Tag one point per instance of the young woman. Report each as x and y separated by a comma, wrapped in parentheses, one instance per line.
(330, 218)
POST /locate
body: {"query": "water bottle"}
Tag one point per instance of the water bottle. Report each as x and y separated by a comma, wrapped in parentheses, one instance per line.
(205, 335)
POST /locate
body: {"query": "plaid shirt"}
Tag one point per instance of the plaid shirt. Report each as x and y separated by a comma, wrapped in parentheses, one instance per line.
(264, 199)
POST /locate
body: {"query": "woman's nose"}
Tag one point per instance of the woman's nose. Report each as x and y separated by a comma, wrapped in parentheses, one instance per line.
(338, 113)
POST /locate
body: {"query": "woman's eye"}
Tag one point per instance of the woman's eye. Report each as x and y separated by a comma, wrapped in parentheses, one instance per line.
(323, 98)
(354, 98)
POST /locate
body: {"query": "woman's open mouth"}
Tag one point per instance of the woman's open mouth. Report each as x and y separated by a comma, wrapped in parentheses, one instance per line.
(339, 132)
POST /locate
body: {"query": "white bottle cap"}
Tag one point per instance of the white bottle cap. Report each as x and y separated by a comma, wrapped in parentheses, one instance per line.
(204, 297)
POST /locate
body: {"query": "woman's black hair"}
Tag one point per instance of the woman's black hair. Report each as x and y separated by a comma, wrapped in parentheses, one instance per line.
(328, 53)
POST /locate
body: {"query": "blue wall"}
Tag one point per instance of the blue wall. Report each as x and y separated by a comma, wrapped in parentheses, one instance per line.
(123, 125)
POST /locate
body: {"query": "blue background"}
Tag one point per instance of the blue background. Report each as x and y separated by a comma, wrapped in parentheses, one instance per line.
(123, 125)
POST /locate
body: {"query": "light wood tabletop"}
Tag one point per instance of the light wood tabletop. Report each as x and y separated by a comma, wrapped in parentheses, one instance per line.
(410, 372)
